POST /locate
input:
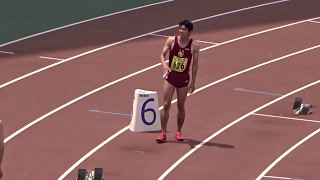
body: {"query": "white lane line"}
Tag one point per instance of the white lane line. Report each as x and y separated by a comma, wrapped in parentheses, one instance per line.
(286, 153)
(159, 35)
(174, 101)
(88, 20)
(107, 112)
(229, 125)
(6, 52)
(51, 58)
(315, 21)
(143, 35)
(257, 92)
(283, 117)
(276, 177)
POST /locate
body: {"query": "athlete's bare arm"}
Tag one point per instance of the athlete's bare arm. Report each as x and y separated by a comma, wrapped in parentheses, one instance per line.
(167, 47)
(195, 52)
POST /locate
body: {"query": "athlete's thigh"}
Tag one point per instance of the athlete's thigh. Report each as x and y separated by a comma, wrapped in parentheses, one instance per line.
(182, 96)
(168, 91)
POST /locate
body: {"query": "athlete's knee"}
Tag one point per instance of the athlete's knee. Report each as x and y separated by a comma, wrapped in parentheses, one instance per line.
(166, 106)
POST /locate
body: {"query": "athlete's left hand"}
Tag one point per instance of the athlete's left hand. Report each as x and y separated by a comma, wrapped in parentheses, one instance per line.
(191, 88)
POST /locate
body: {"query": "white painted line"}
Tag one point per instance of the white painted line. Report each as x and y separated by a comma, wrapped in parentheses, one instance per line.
(283, 117)
(159, 35)
(88, 20)
(275, 177)
(57, 59)
(143, 35)
(6, 52)
(197, 90)
(315, 21)
(286, 153)
(107, 112)
(258, 92)
(230, 125)
(207, 42)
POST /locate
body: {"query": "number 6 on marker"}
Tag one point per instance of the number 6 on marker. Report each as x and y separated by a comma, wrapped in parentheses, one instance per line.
(144, 110)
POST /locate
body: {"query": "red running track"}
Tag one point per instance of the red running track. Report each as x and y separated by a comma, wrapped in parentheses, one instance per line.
(279, 33)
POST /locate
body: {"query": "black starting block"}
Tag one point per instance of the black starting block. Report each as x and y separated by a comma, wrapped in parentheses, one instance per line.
(83, 174)
(297, 103)
(299, 108)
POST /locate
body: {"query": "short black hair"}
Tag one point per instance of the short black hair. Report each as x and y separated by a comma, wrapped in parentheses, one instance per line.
(187, 23)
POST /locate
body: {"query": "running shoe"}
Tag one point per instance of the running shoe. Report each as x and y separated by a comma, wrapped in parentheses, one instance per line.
(179, 137)
(161, 138)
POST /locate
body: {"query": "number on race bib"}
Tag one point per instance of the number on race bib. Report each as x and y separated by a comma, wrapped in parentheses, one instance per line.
(179, 64)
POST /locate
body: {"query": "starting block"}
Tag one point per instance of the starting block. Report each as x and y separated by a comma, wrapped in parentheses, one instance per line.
(299, 108)
(83, 174)
(145, 113)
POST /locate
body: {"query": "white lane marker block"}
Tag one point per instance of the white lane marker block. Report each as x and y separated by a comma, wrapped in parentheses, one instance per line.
(145, 113)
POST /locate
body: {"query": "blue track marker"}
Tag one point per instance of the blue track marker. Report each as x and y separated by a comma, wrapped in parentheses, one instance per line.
(105, 112)
(259, 92)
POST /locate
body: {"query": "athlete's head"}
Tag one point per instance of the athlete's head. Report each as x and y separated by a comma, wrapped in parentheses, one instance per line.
(186, 23)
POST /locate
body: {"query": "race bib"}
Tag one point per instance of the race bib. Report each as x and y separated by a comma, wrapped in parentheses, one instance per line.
(179, 64)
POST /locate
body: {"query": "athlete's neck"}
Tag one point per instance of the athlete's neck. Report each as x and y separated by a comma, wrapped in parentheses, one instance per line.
(184, 39)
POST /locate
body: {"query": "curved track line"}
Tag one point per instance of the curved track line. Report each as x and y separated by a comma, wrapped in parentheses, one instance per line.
(126, 77)
(88, 20)
(286, 153)
(174, 101)
(133, 38)
(229, 125)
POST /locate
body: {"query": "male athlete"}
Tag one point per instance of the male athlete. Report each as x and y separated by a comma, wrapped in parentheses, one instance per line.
(182, 49)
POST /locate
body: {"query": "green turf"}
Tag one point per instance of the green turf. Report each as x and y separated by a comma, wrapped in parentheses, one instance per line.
(21, 18)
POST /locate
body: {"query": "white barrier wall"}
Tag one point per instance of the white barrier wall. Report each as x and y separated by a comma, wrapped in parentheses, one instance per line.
(145, 114)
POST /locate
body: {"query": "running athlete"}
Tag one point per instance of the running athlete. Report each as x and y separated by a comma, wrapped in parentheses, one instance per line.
(183, 54)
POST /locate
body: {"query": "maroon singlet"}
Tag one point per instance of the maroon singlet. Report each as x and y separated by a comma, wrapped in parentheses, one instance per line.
(179, 63)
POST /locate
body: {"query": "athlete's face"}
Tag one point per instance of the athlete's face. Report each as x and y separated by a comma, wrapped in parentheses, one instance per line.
(184, 31)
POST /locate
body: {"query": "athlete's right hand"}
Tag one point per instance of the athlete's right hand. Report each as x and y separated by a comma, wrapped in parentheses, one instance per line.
(166, 71)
